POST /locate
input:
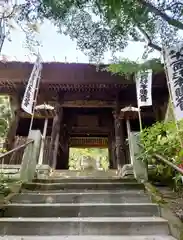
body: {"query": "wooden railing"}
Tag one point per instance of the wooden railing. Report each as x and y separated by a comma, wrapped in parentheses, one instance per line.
(14, 150)
(16, 157)
(165, 160)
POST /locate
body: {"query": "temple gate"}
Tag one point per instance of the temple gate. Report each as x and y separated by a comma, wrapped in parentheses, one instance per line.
(87, 109)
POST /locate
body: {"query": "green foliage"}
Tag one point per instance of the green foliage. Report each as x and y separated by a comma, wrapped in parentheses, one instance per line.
(126, 66)
(108, 25)
(76, 155)
(160, 138)
(163, 138)
(100, 25)
(22, 16)
(5, 115)
(3, 150)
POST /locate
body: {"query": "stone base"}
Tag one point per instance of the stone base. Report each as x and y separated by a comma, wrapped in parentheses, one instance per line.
(127, 170)
(92, 174)
(43, 171)
(11, 172)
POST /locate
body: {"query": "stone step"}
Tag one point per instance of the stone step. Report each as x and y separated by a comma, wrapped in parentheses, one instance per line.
(145, 237)
(85, 173)
(83, 185)
(81, 210)
(84, 226)
(85, 179)
(83, 197)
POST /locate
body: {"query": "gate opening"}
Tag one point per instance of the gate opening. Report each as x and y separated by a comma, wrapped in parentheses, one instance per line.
(88, 158)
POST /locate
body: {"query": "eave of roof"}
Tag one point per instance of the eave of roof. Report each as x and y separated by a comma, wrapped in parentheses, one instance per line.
(67, 73)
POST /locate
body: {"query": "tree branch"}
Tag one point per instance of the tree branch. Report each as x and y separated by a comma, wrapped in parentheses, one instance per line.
(148, 39)
(163, 15)
(174, 4)
(10, 14)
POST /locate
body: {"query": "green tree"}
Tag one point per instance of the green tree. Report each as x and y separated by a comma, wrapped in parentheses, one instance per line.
(5, 115)
(20, 15)
(101, 25)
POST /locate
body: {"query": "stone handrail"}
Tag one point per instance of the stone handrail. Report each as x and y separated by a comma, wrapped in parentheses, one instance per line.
(30, 156)
(140, 168)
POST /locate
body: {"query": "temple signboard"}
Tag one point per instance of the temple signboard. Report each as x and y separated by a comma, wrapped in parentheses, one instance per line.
(143, 87)
(174, 66)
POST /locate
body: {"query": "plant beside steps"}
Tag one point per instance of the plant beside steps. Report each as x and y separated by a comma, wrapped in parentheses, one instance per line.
(78, 209)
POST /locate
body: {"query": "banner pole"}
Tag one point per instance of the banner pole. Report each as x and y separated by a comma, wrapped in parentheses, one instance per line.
(41, 155)
(140, 119)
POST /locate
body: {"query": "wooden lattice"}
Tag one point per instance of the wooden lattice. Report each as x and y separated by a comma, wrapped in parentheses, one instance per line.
(88, 142)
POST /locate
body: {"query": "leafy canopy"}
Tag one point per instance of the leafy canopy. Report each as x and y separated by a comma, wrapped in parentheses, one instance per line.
(22, 16)
(102, 25)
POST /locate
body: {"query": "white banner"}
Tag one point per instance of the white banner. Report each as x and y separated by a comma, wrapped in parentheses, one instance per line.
(29, 95)
(143, 87)
(173, 58)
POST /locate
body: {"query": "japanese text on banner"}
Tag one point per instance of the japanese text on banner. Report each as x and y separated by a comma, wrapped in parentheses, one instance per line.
(28, 99)
(174, 66)
(143, 87)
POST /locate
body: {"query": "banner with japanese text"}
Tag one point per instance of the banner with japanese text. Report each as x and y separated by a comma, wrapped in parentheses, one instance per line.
(173, 58)
(29, 95)
(144, 88)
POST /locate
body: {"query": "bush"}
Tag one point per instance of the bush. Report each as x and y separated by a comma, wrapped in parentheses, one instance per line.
(2, 150)
(163, 138)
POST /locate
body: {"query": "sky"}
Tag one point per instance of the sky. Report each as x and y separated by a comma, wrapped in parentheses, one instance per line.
(58, 47)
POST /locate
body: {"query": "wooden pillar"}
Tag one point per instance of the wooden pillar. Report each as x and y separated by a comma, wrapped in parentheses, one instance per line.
(111, 150)
(63, 156)
(157, 111)
(65, 162)
(123, 141)
(54, 135)
(15, 110)
(119, 139)
(114, 160)
(163, 109)
(55, 152)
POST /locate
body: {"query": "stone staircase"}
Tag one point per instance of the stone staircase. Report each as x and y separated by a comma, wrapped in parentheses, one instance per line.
(83, 208)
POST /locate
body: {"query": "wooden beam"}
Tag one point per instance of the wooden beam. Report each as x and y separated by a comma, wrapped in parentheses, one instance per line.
(36, 115)
(90, 130)
(89, 104)
(89, 142)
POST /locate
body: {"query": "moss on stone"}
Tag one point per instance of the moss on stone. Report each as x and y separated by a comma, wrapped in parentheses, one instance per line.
(175, 223)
